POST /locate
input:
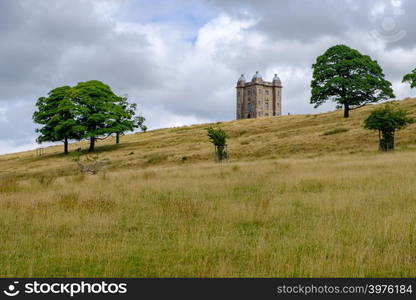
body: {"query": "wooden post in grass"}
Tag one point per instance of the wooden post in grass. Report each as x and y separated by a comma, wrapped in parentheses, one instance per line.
(40, 151)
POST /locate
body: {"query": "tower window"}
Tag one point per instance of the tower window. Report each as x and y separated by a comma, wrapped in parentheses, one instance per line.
(266, 106)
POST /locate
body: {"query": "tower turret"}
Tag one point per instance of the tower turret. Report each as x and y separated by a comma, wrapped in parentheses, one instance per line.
(240, 96)
(241, 81)
(277, 96)
(277, 81)
(257, 78)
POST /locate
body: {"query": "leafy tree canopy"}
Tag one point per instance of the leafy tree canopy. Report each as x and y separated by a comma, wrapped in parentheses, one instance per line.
(349, 78)
(217, 136)
(88, 110)
(98, 109)
(410, 78)
(57, 115)
(387, 119)
(125, 119)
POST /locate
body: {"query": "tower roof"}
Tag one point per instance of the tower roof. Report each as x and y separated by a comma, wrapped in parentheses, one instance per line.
(276, 80)
(256, 76)
(241, 81)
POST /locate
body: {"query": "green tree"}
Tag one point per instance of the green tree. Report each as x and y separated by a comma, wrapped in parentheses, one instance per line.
(57, 114)
(410, 78)
(387, 120)
(98, 109)
(218, 138)
(348, 78)
(126, 119)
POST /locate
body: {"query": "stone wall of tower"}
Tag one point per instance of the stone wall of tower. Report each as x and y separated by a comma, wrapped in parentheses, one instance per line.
(258, 98)
(240, 102)
(264, 99)
(277, 94)
(250, 107)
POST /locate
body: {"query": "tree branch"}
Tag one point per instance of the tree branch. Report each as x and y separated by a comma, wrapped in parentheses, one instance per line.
(354, 108)
(97, 138)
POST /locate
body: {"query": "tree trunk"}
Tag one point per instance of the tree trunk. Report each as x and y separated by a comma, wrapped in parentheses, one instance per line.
(387, 141)
(117, 138)
(66, 146)
(220, 153)
(92, 144)
(346, 110)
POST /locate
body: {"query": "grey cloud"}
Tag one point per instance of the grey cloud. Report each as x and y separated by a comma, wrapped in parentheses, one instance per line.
(404, 21)
(9, 15)
(303, 29)
(304, 20)
(60, 41)
(309, 20)
(51, 43)
(16, 122)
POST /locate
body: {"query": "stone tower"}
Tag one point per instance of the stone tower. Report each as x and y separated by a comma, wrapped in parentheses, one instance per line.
(258, 98)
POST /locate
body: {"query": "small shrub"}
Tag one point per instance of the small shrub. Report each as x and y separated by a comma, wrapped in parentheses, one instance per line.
(218, 138)
(388, 119)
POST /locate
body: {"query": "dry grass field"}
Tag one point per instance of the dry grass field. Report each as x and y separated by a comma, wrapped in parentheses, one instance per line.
(302, 196)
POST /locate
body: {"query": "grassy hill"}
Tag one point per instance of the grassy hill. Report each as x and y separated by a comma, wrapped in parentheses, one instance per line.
(305, 195)
(297, 136)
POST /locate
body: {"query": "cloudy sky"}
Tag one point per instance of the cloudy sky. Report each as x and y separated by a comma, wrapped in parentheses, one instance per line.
(180, 60)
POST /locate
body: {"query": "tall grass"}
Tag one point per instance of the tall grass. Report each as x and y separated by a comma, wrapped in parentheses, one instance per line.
(302, 196)
(350, 215)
